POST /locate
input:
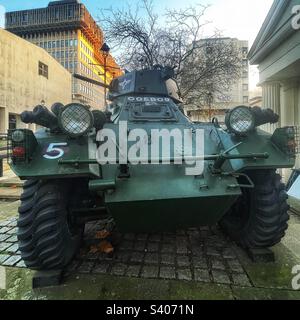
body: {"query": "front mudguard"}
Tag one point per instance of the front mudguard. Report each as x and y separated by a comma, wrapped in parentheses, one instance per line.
(50, 148)
(258, 141)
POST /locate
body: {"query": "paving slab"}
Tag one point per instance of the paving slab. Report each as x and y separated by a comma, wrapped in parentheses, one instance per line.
(276, 275)
(292, 237)
(11, 182)
(151, 266)
(10, 193)
(295, 205)
(8, 210)
(246, 293)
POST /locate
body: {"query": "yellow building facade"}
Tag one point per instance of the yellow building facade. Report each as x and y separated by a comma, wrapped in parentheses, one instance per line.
(67, 31)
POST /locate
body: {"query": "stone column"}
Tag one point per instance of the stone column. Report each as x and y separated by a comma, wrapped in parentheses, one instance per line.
(271, 99)
(289, 102)
(290, 110)
(2, 120)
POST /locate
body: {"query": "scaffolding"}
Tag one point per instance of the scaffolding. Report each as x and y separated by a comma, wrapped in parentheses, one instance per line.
(60, 16)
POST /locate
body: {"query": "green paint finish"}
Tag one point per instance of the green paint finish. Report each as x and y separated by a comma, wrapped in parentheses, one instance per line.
(155, 203)
(260, 142)
(168, 215)
(41, 167)
(155, 197)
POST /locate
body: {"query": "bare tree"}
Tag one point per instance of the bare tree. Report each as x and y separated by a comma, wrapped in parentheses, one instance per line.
(203, 67)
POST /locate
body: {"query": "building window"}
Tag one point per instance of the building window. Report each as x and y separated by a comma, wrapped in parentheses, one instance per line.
(245, 51)
(70, 12)
(25, 18)
(56, 14)
(43, 69)
(245, 99)
(12, 122)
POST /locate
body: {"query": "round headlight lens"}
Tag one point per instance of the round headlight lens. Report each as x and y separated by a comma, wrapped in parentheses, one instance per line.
(76, 119)
(240, 120)
(18, 136)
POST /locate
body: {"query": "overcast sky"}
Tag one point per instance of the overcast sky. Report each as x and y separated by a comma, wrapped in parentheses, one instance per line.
(235, 18)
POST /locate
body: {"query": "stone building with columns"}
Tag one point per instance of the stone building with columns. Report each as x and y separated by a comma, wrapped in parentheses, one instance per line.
(276, 51)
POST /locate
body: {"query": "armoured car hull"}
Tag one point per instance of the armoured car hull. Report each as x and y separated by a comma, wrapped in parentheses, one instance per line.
(70, 181)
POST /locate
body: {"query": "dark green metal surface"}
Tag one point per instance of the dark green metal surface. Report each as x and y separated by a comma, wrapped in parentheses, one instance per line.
(147, 197)
(42, 168)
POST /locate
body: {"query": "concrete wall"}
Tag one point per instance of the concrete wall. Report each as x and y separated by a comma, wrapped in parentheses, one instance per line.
(21, 86)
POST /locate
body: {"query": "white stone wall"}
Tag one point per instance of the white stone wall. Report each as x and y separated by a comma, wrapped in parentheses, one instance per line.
(283, 97)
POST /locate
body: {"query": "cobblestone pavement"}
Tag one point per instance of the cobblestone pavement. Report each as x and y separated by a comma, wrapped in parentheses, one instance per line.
(202, 255)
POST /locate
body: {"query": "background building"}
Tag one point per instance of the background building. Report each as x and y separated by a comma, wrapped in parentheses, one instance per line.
(238, 93)
(277, 52)
(255, 97)
(67, 31)
(28, 76)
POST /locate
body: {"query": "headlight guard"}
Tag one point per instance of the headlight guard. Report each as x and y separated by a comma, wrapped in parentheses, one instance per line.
(75, 119)
(240, 120)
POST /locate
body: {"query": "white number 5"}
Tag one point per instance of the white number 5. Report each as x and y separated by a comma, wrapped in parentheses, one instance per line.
(53, 148)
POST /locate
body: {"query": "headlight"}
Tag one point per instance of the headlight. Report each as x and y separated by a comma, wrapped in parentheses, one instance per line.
(240, 120)
(76, 119)
(18, 136)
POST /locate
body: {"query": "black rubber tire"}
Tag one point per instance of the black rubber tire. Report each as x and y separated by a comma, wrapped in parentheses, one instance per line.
(259, 218)
(47, 238)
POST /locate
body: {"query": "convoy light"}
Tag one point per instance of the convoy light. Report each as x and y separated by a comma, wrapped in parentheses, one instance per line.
(76, 119)
(240, 120)
(18, 152)
(18, 136)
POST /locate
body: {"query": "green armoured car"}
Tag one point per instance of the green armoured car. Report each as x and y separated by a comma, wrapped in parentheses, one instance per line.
(85, 165)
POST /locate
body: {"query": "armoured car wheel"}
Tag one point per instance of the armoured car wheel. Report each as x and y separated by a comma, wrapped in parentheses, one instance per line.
(47, 237)
(259, 218)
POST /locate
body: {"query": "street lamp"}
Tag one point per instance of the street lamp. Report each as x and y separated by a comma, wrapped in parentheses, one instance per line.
(105, 51)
